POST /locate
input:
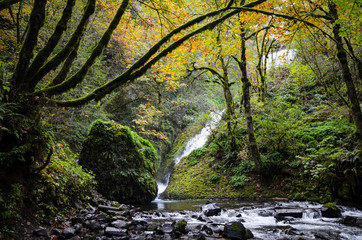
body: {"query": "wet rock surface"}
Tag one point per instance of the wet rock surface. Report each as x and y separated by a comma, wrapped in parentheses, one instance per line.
(211, 209)
(113, 221)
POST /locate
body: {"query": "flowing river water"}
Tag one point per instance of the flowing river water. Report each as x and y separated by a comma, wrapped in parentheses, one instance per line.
(261, 217)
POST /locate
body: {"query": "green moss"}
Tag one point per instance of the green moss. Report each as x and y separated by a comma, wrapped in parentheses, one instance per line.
(236, 227)
(181, 226)
(191, 182)
(195, 156)
(123, 162)
(239, 181)
(300, 159)
(214, 177)
(331, 205)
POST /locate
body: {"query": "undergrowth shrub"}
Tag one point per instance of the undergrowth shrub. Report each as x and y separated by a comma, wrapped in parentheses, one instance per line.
(329, 156)
(243, 167)
(272, 164)
(275, 125)
(214, 177)
(63, 182)
(195, 156)
(239, 181)
(10, 203)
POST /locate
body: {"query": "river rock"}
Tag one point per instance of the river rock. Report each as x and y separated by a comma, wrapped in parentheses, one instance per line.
(77, 228)
(326, 236)
(330, 211)
(217, 228)
(235, 231)
(75, 238)
(248, 234)
(68, 233)
(76, 220)
(42, 232)
(281, 214)
(54, 232)
(115, 232)
(181, 226)
(138, 225)
(352, 221)
(167, 228)
(207, 230)
(94, 226)
(119, 224)
(211, 209)
(265, 214)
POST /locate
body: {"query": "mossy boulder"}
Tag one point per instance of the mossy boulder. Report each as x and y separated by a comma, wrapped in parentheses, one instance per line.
(122, 161)
(330, 210)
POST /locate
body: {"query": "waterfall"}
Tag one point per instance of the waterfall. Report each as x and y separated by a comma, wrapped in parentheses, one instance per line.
(194, 143)
(280, 57)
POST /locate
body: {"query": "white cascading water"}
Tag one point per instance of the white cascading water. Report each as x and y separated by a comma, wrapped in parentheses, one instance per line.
(280, 57)
(259, 218)
(194, 143)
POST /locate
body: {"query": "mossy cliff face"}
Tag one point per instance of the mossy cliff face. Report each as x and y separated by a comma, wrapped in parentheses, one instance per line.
(203, 177)
(191, 180)
(122, 161)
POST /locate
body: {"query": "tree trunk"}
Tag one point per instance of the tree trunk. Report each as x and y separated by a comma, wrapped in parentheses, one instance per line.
(346, 73)
(253, 145)
(229, 103)
(23, 145)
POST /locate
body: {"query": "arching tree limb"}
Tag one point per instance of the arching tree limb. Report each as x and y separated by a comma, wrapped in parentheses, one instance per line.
(131, 76)
(43, 55)
(26, 52)
(79, 76)
(53, 63)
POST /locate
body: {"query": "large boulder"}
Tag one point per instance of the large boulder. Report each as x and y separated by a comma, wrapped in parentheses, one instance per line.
(122, 161)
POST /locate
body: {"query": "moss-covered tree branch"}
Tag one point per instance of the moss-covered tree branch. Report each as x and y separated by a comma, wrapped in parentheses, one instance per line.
(79, 76)
(43, 55)
(212, 71)
(54, 62)
(63, 73)
(138, 64)
(26, 52)
(129, 76)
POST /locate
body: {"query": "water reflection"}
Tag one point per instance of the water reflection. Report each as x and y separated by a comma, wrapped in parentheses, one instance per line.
(195, 205)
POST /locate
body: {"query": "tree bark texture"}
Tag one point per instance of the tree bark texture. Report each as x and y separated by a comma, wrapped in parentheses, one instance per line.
(346, 73)
(253, 145)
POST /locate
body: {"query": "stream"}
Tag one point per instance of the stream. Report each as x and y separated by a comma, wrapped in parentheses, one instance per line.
(259, 216)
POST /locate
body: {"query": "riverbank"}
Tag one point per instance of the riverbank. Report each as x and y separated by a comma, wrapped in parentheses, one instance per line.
(199, 219)
(207, 179)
